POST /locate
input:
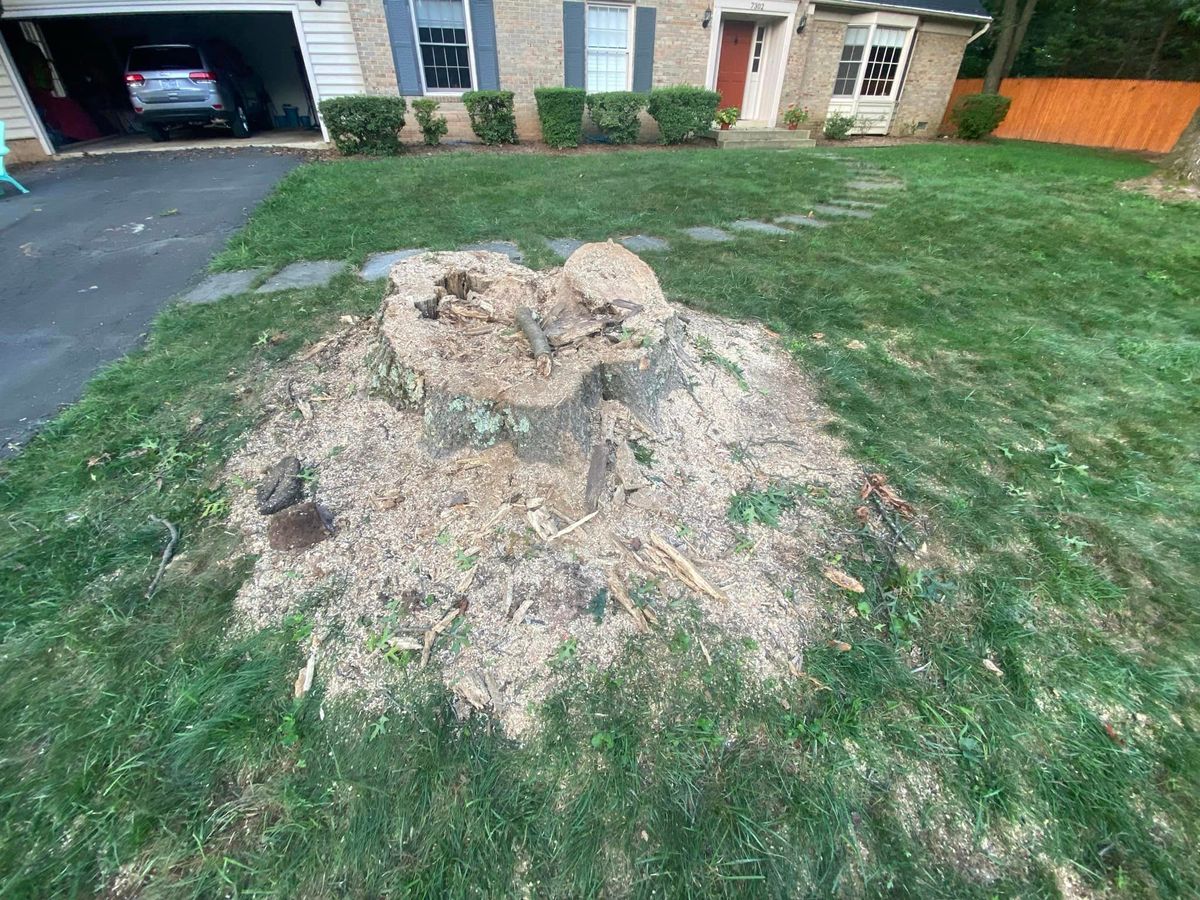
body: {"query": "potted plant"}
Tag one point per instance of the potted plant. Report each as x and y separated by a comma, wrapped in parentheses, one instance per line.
(727, 116)
(794, 116)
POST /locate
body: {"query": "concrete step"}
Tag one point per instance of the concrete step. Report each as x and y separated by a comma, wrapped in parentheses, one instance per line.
(760, 136)
(799, 144)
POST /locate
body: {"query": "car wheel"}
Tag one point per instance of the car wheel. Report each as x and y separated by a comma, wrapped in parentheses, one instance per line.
(241, 122)
(158, 133)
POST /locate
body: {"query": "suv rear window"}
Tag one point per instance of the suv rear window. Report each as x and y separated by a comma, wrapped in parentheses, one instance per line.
(150, 59)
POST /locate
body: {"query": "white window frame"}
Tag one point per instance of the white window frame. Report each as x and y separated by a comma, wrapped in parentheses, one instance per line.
(873, 22)
(629, 51)
(426, 90)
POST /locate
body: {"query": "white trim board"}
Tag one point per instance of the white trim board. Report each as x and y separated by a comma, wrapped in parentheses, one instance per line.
(776, 11)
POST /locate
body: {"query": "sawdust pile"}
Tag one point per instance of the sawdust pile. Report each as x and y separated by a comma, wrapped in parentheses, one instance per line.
(492, 563)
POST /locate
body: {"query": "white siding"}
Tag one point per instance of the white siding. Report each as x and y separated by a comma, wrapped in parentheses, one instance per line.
(12, 111)
(327, 36)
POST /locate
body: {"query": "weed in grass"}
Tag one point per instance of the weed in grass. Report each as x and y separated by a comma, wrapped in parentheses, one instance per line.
(762, 507)
(711, 356)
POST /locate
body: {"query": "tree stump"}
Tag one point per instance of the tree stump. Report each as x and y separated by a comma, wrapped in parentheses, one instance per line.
(451, 345)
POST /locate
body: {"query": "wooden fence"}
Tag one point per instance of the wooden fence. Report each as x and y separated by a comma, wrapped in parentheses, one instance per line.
(1093, 112)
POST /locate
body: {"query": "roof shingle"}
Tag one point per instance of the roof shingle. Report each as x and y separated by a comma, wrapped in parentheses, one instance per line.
(972, 8)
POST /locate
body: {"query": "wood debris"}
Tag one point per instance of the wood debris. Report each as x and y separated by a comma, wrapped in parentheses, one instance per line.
(304, 680)
(617, 589)
(539, 346)
(432, 633)
(843, 580)
(876, 486)
(681, 568)
(574, 525)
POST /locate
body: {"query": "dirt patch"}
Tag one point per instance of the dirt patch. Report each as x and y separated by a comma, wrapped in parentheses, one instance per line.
(1165, 189)
(497, 565)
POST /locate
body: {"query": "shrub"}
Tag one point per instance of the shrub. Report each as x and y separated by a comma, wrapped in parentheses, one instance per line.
(615, 113)
(560, 112)
(978, 115)
(433, 127)
(838, 126)
(361, 124)
(492, 117)
(683, 112)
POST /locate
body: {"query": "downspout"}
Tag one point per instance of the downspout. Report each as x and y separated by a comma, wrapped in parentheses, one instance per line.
(987, 26)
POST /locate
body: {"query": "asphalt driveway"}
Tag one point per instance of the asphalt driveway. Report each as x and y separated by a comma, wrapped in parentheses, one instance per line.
(95, 249)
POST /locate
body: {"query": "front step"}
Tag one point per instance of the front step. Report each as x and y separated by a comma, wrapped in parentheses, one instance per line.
(741, 137)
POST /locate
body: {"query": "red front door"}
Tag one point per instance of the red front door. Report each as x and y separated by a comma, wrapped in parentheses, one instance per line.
(737, 39)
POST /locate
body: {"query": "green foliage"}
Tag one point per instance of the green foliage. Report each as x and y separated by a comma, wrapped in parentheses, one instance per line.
(365, 125)
(560, 112)
(433, 126)
(682, 112)
(838, 126)
(617, 114)
(795, 115)
(711, 356)
(492, 117)
(727, 116)
(977, 115)
(762, 507)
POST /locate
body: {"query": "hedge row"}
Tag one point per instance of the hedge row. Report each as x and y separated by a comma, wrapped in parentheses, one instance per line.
(371, 125)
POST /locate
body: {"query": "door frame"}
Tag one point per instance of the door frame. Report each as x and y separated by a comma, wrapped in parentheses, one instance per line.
(781, 14)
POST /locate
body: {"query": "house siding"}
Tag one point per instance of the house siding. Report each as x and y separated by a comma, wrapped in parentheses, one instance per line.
(931, 74)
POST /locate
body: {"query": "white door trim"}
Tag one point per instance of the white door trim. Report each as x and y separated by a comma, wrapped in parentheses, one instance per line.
(778, 11)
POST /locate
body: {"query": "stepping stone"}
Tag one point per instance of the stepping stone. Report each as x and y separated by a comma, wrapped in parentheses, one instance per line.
(508, 248)
(756, 225)
(867, 204)
(807, 221)
(875, 185)
(302, 274)
(378, 265)
(708, 233)
(223, 284)
(844, 211)
(641, 243)
(564, 247)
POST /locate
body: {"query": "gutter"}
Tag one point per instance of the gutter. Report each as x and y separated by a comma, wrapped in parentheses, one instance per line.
(916, 10)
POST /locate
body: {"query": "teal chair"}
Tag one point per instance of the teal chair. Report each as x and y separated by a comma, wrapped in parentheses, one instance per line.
(4, 176)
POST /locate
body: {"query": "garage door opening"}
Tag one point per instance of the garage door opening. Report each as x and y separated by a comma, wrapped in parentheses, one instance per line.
(74, 70)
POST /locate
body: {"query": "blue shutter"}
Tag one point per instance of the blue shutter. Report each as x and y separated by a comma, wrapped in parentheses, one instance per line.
(643, 48)
(483, 31)
(404, 46)
(574, 57)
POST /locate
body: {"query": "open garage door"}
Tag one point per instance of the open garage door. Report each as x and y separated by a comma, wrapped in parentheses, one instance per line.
(230, 74)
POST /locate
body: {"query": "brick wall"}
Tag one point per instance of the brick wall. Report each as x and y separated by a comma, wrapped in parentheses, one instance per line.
(931, 74)
(813, 67)
(374, 46)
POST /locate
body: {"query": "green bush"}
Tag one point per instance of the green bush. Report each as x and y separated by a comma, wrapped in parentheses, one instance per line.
(838, 126)
(560, 112)
(616, 113)
(683, 112)
(361, 124)
(492, 117)
(978, 115)
(433, 127)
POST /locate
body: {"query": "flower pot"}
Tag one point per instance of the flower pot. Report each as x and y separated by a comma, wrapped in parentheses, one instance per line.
(792, 126)
(724, 125)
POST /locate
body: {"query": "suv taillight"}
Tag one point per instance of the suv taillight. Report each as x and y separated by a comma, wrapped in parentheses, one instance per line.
(134, 78)
(203, 76)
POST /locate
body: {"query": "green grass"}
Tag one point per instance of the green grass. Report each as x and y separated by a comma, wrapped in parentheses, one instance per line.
(1029, 381)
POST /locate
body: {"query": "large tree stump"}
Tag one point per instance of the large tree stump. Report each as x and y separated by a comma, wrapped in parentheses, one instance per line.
(470, 371)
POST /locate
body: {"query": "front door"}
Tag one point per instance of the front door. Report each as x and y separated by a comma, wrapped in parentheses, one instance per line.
(737, 40)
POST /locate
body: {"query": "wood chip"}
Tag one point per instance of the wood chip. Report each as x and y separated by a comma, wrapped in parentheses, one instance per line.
(840, 646)
(683, 570)
(844, 581)
(304, 680)
(432, 633)
(574, 525)
(992, 667)
(617, 589)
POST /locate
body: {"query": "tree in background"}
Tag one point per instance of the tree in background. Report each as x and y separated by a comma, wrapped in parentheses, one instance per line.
(1088, 39)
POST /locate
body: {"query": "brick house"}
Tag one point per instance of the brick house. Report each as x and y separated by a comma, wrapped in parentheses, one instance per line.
(890, 65)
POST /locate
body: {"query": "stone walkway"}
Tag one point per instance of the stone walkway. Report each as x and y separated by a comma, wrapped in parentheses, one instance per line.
(865, 178)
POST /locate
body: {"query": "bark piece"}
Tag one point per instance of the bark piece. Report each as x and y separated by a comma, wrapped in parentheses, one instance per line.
(281, 487)
(298, 527)
(538, 344)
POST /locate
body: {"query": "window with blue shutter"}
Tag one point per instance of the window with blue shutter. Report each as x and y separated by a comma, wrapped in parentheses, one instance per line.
(434, 43)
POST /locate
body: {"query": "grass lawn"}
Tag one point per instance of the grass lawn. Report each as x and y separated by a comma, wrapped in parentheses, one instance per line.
(1030, 381)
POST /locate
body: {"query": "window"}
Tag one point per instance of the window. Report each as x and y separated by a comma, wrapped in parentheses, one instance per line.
(608, 45)
(759, 37)
(852, 54)
(445, 51)
(883, 62)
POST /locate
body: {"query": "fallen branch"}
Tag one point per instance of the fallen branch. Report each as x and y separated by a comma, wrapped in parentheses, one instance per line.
(168, 552)
(575, 525)
(617, 589)
(538, 343)
(683, 569)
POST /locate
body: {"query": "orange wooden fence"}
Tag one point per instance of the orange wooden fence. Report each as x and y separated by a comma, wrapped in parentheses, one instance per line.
(1093, 112)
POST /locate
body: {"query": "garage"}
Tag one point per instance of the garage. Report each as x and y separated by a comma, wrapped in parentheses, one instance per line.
(88, 76)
